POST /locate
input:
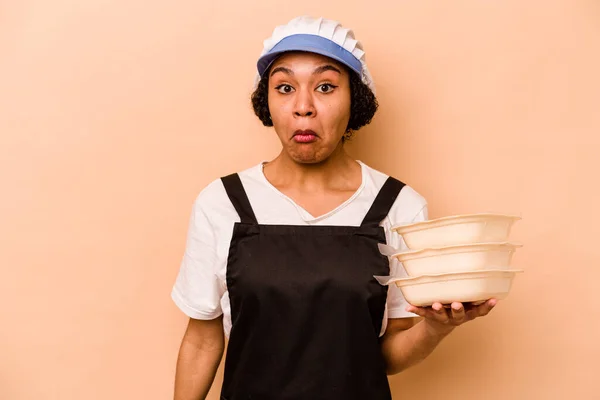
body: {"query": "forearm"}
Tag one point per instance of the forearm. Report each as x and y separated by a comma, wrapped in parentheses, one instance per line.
(197, 365)
(405, 348)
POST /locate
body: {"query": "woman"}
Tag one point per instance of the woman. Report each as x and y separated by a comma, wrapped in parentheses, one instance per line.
(282, 256)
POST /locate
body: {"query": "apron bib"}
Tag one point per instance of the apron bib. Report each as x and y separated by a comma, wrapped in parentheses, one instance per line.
(306, 311)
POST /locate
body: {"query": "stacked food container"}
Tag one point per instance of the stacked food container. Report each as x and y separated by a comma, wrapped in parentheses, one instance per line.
(462, 258)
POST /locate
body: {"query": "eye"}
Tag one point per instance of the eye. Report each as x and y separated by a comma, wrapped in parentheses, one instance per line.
(326, 88)
(284, 89)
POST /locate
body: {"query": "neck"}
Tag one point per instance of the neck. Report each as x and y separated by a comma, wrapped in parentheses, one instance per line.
(339, 170)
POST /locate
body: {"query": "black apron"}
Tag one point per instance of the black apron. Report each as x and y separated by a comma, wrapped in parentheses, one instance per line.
(306, 311)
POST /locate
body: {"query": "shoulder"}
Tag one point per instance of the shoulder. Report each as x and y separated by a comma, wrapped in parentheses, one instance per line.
(213, 199)
(409, 206)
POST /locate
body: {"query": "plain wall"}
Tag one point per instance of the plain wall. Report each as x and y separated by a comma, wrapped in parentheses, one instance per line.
(115, 114)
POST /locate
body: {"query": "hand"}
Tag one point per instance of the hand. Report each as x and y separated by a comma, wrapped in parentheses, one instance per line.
(442, 321)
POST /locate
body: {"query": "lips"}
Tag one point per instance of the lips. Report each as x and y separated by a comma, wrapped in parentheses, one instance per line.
(304, 136)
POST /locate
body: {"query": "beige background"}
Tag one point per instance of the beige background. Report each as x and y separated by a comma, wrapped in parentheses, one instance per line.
(115, 114)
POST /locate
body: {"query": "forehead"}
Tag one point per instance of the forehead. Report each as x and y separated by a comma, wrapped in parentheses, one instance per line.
(301, 58)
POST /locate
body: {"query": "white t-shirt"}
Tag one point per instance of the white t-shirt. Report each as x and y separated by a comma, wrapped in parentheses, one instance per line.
(200, 290)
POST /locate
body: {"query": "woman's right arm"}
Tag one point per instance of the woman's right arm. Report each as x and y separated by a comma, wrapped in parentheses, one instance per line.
(199, 357)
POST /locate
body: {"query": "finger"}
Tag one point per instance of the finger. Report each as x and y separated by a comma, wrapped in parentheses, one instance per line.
(458, 313)
(420, 311)
(425, 312)
(430, 313)
(439, 314)
(486, 307)
(471, 314)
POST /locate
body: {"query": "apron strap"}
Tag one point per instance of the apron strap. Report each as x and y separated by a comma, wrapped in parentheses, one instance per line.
(383, 202)
(239, 198)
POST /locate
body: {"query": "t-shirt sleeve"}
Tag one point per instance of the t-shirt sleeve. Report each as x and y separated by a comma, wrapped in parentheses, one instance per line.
(198, 289)
(396, 303)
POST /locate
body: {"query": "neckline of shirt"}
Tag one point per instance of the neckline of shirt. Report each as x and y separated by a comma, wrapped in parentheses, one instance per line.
(305, 215)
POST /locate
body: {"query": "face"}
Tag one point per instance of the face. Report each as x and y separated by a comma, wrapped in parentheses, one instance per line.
(309, 102)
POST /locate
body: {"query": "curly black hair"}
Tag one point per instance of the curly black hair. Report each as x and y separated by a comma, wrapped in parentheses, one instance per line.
(363, 103)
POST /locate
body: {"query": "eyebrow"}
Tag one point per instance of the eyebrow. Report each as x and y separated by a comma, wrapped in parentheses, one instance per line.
(282, 69)
(324, 68)
(318, 70)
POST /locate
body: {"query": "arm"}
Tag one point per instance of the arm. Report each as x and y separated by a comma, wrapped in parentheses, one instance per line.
(199, 357)
(405, 344)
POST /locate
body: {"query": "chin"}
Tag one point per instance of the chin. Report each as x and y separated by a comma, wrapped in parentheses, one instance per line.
(308, 160)
(309, 157)
(311, 154)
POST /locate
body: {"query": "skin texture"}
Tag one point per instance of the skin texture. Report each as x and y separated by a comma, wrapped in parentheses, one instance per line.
(308, 91)
(311, 92)
(199, 356)
(363, 103)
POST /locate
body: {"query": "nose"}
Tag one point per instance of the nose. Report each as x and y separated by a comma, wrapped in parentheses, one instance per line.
(304, 106)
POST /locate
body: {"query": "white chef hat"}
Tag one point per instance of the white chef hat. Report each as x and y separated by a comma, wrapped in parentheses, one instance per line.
(315, 35)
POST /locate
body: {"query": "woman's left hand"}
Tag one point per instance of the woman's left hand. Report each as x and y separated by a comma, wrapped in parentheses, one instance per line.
(442, 320)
